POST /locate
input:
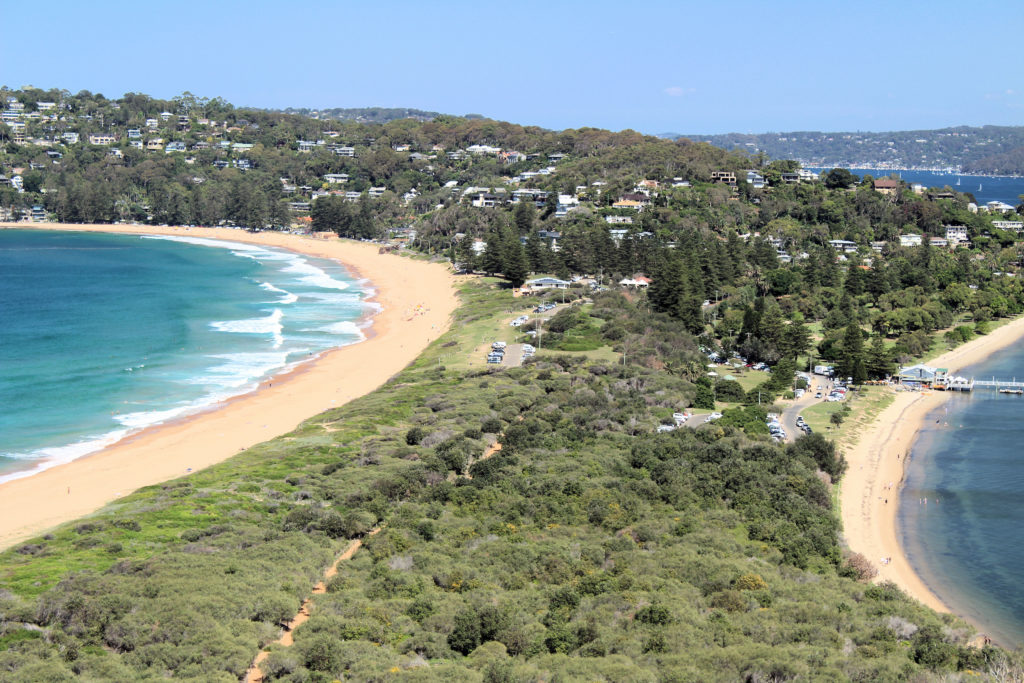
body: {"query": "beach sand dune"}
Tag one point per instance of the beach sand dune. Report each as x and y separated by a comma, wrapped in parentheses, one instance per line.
(34, 504)
(869, 493)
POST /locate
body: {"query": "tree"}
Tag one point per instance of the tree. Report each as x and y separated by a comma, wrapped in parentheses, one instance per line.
(839, 178)
(851, 352)
(879, 361)
(516, 266)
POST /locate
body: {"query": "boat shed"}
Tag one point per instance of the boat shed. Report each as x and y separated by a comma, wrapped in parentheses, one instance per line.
(922, 374)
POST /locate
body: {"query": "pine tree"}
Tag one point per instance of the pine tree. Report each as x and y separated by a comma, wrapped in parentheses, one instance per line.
(879, 361)
(516, 266)
(851, 352)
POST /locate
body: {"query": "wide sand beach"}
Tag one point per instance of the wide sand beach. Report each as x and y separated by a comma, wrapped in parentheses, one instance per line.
(417, 300)
(869, 494)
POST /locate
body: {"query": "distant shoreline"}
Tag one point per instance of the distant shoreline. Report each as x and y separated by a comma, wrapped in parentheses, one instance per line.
(417, 300)
(868, 504)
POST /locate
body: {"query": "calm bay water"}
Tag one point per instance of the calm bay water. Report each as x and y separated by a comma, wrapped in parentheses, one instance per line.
(984, 188)
(103, 335)
(967, 542)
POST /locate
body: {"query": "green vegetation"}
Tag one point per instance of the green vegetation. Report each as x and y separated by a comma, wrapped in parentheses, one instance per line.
(589, 546)
(594, 545)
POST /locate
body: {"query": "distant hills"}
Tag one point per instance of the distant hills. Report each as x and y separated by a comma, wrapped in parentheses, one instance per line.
(364, 114)
(993, 150)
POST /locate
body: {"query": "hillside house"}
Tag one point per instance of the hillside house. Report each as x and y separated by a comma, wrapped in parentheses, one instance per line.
(336, 178)
(102, 139)
(910, 240)
(886, 186)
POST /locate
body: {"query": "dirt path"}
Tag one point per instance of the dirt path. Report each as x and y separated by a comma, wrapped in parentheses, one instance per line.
(255, 674)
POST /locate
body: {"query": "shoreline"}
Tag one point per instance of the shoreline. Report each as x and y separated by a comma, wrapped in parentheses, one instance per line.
(869, 505)
(415, 300)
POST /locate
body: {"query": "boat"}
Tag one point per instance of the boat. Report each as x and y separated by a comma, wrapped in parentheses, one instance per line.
(957, 181)
(1012, 391)
(979, 187)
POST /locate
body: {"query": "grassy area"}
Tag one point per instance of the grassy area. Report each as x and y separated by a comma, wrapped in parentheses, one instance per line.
(865, 405)
(482, 319)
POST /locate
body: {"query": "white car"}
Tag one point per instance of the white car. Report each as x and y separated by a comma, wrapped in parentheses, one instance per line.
(712, 416)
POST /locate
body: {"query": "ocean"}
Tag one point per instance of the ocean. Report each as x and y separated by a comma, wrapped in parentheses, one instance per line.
(103, 335)
(984, 188)
(967, 541)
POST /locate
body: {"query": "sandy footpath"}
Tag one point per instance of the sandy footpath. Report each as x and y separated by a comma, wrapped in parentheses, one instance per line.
(870, 488)
(417, 300)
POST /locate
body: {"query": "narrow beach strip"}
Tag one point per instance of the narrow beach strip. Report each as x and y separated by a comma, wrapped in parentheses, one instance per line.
(34, 504)
(869, 492)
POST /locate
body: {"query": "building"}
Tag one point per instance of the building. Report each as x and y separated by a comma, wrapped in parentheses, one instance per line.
(628, 204)
(102, 139)
(155, 144)
(336, 178)
(727, 177)
(956, 233)
(843, 246)
(343, 151)
(922, 374)
(910, 240)
(1016, 226)
(376, 192)
(540, 284)
(887, 186)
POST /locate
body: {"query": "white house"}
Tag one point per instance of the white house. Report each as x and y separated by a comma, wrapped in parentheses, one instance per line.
(336, 178)
(910, 240)
(956, 233)
(543, 283)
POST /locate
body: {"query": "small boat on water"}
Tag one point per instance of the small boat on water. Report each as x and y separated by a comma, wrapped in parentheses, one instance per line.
(1018, 392)
(957, 181)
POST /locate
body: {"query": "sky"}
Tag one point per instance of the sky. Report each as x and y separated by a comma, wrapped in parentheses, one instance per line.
(655, 67)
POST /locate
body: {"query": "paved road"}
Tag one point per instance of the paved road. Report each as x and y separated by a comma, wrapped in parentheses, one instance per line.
(513, 356)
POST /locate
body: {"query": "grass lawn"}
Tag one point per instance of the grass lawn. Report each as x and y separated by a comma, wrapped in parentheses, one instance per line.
(865, 405)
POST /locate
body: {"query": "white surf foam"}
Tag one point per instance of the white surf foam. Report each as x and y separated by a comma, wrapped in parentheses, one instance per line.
(288, 297)
(269, 325)
(59, 455)
(314, 276)
(343, 327)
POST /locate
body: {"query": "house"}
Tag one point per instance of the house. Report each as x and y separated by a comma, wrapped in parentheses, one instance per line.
(306, 146)
(336, 178)
(638, 282)
(910, 240)
(511, 157)
(618, 234)
(790, 177)
(628, 204)
(165, 115)
(352, 196)
(242, 164)
(540, 284)
(566, 203)
(456, 155)
(376, 192)
(134, 133)
(956, 233)
(1001, 207)
(938, 241)
(527, 194)
(877, 246)
(155, 144)
(1016, 226)
(727, 177)
(807, 176)
(756, 179)
(483, 149)
(70, 137)
(844, 246)
(102, 139)
(137, 144)
(241, 146)
(484, 200)
(54, 154)
(115, 153)
(44, 106)
(152, 123)
(556, 157)
(177, 146)
(619, 220)
(221, 164)
(343, 151)
(886, 186)
(299, 206)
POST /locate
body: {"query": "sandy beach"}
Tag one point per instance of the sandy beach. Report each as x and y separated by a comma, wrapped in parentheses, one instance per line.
(417, 300)
(869, 493)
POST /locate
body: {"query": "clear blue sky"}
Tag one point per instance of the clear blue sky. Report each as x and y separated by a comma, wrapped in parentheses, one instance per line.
(689, 67)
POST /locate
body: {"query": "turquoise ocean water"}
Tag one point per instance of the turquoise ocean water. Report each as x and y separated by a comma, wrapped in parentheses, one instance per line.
(103, 335)
(967, 542)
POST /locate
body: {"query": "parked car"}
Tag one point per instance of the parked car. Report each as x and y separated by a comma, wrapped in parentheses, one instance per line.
(712, 416)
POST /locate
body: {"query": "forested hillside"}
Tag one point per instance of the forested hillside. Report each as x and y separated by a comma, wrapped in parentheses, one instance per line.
(986, 150)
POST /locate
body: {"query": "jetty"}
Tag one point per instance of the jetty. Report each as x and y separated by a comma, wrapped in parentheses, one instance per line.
(940, 379)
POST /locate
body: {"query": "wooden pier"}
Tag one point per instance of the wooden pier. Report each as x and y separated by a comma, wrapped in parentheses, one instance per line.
(1002, 386)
